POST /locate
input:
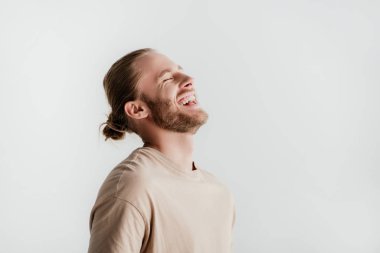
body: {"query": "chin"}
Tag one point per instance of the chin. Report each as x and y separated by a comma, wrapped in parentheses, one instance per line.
(196, 128)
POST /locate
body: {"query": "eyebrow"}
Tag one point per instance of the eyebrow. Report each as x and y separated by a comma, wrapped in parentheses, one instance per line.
(163, 72)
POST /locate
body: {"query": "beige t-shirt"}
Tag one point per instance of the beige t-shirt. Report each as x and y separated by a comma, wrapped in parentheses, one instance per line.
(147, 204)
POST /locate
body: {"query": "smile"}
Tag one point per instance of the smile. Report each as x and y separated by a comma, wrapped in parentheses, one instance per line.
(188, 100)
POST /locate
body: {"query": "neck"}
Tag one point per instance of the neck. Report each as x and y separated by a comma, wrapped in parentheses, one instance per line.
(176, 146)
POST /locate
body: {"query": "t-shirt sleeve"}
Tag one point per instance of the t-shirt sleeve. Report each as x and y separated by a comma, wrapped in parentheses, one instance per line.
(116, 226)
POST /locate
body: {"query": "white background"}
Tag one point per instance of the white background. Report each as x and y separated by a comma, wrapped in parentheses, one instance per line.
(291, 87)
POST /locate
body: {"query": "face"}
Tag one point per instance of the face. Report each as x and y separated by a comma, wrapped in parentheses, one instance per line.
(170, 94)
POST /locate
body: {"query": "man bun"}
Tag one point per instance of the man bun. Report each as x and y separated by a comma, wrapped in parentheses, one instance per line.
(112, 129)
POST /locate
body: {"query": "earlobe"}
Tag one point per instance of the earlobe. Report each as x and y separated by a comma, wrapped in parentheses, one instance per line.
(135, 110)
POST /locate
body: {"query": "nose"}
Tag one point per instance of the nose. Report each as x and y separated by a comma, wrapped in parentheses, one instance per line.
(186, 82)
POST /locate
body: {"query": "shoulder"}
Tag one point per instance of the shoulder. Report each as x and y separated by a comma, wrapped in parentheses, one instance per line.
(129, 179)
(218, 183)
(210, 177)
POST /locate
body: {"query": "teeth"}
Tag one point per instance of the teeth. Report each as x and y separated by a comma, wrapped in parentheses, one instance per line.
(188, 99)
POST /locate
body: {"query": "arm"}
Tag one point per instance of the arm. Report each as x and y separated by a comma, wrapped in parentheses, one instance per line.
(116, 226)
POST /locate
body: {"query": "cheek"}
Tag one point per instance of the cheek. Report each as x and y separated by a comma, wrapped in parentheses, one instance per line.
(169, 94)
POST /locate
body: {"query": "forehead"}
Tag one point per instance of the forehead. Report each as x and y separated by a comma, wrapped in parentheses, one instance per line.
(153, 62)
(150, 67)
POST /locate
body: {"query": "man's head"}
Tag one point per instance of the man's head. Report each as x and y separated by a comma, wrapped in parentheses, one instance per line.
(146, 87)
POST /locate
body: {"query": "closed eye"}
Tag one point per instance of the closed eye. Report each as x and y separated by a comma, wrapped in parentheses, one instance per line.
(168, 79)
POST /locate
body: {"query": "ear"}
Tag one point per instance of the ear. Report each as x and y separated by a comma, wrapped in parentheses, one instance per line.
(136, 109)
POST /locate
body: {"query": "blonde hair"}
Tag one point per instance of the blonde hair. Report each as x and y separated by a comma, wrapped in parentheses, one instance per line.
(120, 85)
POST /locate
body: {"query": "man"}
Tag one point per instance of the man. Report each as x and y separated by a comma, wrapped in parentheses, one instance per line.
(157, 199)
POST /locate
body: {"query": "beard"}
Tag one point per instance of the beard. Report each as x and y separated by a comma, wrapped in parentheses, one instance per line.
(166, 115)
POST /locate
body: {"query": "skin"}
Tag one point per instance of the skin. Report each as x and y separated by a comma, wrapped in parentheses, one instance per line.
(158, 118)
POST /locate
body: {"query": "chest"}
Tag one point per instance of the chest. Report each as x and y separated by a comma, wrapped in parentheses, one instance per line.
(192, 207)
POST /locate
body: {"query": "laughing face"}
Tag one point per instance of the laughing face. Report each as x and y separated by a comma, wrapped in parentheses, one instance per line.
(169, 93)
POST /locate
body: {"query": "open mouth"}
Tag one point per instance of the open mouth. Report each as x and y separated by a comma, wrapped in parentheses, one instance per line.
(188, 100)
